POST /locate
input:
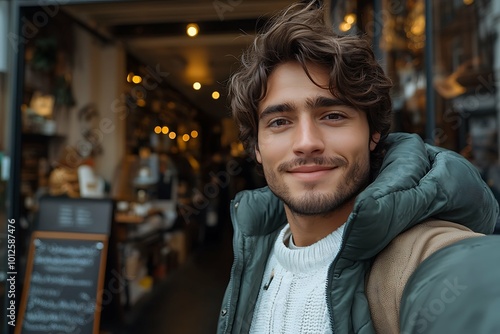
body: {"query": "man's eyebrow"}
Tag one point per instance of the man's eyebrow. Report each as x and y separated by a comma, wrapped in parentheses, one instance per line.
(323, 101)
(276, 108)
(311, 103)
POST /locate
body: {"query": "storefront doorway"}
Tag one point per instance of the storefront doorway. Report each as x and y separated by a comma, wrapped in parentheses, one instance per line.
(60, 88)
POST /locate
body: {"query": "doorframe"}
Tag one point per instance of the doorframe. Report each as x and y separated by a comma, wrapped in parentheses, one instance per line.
(15, 93)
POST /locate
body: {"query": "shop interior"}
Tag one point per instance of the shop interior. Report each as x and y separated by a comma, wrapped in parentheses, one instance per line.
(126, 100)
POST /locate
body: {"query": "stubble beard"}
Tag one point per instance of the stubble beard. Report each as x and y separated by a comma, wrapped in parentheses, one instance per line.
(319, 203)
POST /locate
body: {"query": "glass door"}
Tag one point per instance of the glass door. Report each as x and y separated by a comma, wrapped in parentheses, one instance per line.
(4, 7)
(466, 66)
(9, 225)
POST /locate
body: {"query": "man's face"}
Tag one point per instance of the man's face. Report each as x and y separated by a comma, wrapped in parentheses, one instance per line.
(313, 148)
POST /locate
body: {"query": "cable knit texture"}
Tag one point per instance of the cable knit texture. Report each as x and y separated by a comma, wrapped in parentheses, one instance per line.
(292, 297)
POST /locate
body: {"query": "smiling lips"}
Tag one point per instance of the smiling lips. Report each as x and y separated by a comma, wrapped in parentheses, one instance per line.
(311, 173)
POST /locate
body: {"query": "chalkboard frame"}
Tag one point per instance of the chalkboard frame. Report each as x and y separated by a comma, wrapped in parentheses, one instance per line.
(64, 236)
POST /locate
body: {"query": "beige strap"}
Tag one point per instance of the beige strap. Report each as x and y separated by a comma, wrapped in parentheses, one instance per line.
(394, 265)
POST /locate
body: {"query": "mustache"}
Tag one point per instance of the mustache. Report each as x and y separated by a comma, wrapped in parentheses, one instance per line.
(318, 161)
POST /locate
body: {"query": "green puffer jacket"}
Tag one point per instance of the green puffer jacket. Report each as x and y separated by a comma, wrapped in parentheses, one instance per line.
(416, 181)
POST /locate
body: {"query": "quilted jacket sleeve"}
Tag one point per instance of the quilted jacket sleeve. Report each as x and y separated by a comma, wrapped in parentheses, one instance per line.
(455, 290)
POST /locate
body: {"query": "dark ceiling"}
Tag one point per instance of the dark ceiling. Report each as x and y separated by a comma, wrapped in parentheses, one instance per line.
(155, 33)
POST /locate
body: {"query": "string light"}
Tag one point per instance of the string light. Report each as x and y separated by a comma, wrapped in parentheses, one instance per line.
(344, 26)
(136, 79)
(130, 76)
(350, 18)
(192, 29)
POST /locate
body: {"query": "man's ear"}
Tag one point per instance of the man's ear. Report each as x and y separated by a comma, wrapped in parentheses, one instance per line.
(374, 140)
(257, 154)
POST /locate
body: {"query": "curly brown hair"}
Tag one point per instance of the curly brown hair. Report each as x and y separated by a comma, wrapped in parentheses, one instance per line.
(299, 33)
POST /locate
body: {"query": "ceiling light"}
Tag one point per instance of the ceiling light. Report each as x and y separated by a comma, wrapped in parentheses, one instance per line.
(215, 95)
(136, 79)
(172, 135)
(192, 29)
(197, 85)
(185, 137)
(194, 133)
(344, 26)
(157, 129)
(164, 130)
(350, 18)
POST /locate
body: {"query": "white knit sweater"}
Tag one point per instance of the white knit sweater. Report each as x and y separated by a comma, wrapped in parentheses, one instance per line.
(292, 298)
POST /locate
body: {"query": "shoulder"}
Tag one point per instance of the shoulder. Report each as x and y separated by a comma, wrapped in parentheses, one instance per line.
(393, 267)
(257, 212)
(456, 290)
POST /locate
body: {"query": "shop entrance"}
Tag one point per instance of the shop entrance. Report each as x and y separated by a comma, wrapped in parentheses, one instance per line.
(120, 89)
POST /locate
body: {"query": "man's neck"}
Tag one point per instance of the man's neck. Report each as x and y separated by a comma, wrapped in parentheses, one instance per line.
(307, 230)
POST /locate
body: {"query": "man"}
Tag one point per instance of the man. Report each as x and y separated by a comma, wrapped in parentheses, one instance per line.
(314, 110)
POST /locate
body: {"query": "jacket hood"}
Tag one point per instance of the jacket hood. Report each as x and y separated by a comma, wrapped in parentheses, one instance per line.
(416, 181)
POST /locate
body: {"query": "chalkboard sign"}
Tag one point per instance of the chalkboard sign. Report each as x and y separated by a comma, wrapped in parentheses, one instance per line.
(63, 284)
(65, 214)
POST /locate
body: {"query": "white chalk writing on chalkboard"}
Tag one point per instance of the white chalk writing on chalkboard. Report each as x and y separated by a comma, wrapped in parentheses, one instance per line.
(55, 249)
(49, 328)
(66, 215)
(83, 217)
(62, 304)
(59, 316)
(59, 280)
(37, 291)
(64, 261)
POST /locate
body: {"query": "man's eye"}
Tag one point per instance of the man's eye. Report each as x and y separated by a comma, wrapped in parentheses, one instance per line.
(278, 122)
(334, 116)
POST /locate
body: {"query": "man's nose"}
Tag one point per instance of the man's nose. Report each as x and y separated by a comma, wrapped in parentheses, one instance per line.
(308, 138)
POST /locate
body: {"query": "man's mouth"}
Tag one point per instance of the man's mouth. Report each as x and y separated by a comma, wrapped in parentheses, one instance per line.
(310, 169)
(311, 173)
(312, 165)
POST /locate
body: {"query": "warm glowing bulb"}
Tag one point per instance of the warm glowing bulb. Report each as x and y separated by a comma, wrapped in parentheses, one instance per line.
(164, 130)
(350, 18)
(136, 79)
(344, 26)
(192, 29)
(418, 27)
(215, 95)
(194, 133)
(157, 129)
(141, 102)
(197, 85)
(172, 135)
(185, 137)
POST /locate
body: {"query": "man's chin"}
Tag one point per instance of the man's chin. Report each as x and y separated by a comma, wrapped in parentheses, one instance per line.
(313, 205)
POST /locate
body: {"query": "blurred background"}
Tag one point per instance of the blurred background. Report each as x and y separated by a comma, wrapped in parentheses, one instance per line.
(126, 100)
